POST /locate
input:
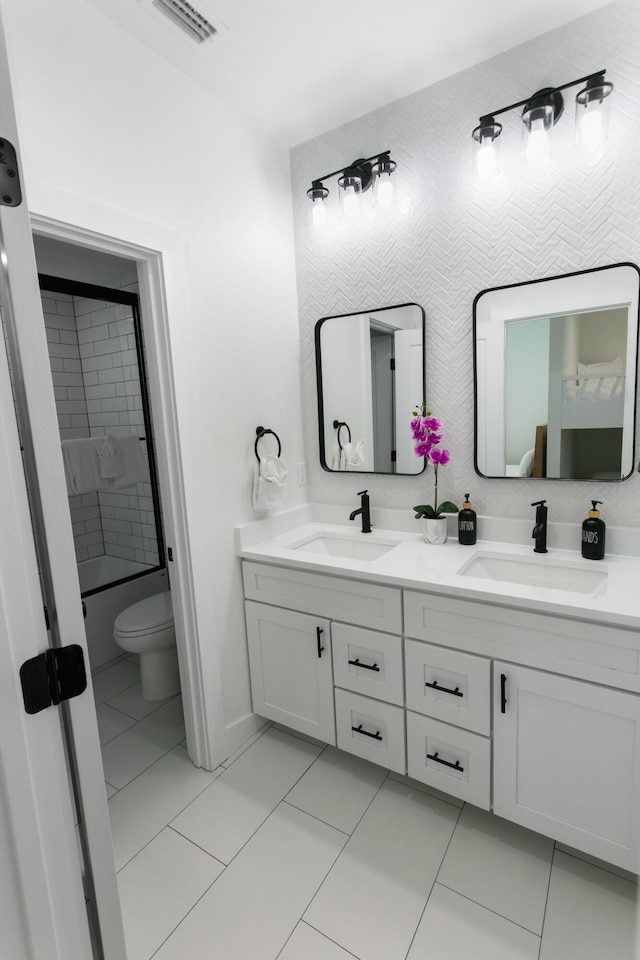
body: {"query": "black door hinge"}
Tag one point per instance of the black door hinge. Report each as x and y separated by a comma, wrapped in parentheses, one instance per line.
(392, 363)
(170, 554)
(57, 674)
(10, 192)
(393, 456)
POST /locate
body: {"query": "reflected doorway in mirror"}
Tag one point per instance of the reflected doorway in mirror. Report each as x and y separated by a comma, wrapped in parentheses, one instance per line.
(555, 376)
(370, 370)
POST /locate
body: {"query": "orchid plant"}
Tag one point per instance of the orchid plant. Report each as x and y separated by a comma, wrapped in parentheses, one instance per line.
(427, 438)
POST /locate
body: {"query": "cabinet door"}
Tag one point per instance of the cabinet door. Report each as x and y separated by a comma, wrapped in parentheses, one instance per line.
(566, 761)
(290, 665)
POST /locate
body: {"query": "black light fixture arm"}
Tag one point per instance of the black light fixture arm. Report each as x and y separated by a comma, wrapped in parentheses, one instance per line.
(549, 91)
(350, 166)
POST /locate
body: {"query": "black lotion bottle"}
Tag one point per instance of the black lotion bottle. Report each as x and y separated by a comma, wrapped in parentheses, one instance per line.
(467, 532)
(593, 533)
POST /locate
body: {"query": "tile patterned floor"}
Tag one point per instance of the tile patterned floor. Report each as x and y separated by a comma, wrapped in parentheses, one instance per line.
(295, 851)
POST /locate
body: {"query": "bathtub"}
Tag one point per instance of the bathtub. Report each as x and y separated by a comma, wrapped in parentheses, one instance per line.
(104, 606)
(95, 573)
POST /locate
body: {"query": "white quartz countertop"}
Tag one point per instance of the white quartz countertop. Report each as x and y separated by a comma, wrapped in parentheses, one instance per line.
(413, 564)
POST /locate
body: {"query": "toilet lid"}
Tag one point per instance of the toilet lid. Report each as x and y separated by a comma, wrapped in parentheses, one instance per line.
(151, 613)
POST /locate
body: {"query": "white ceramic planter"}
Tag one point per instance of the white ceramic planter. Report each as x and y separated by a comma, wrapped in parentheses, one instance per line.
(434, 530)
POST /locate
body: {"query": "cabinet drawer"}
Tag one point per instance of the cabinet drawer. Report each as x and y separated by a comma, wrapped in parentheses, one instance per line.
(371, 729)
(351, 601)
(448, 685)
(451, 759)
(590, 651)
(367, 662)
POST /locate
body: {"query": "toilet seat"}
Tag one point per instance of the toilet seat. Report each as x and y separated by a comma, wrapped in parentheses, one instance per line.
(146, 616)
(147, 629)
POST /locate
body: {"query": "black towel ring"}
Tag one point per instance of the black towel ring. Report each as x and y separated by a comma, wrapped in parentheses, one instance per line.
(260, 432)
(338, 425)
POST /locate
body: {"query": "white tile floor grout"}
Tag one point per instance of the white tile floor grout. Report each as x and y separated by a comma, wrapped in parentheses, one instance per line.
(292, 850)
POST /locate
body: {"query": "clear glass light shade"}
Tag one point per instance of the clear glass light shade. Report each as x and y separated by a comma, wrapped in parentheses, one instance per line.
(536, 135)
(384, 184)
(350, 196)
(318, 195)
(486, 150)
(319, 213)
(592, 116)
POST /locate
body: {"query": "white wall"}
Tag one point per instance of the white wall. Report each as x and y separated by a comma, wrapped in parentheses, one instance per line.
(526, 384)
(116, 138)
(451, 239)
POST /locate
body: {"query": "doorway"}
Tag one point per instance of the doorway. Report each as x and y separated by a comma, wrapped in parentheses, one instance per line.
(83, 257)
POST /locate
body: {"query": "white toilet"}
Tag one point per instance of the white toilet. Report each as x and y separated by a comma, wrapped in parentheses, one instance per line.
(147, 628)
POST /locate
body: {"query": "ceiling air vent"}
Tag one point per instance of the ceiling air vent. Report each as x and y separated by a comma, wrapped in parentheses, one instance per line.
(187, 17)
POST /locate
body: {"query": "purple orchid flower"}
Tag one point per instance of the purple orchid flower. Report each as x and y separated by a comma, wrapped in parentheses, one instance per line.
(427, 437)
(431, 423)
(441, 457)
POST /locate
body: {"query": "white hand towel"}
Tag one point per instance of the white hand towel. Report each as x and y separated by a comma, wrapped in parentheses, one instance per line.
(109, 457)
(269, 482)
(134, 467)
(81, 467)
(354, 454)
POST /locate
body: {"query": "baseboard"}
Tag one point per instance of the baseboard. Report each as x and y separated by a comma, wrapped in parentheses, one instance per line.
(241, 730)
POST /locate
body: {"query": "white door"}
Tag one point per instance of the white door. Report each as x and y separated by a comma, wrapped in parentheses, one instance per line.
(566, 761)
(35, 797)
(291, 669)
(409, 390)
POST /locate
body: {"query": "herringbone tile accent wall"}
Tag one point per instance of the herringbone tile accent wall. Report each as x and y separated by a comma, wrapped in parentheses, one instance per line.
(451, 239)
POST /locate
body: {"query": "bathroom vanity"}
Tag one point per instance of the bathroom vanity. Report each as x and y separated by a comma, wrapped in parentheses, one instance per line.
(506, 680)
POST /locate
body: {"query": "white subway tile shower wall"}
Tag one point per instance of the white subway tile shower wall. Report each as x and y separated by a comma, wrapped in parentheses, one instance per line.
(119, 524)
(73, 419)
(451, 239)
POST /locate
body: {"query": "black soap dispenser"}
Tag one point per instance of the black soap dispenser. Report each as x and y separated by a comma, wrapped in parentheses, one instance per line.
(593, 532)
(467, 523)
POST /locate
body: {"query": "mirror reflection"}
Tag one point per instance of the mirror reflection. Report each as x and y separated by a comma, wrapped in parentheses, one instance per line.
(370, 376)
(555, 376)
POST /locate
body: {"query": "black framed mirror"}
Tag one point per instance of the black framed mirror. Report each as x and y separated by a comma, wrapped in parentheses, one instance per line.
(555, 370)
(370, 370)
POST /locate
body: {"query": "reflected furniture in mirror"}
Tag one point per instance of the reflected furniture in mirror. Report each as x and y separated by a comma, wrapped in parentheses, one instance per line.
(370, 377)
(555, 376)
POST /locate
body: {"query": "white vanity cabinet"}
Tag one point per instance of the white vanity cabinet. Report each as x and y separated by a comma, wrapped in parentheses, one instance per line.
(290, 664)
(291, 615)
(566, 761)
(533, 715)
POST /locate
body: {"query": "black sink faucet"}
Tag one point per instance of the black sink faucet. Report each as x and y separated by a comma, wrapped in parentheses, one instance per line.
(540, 530)
(364, 510)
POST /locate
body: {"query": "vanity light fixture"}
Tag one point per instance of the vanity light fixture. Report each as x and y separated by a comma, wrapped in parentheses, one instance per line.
(540, 113)
(353, 181)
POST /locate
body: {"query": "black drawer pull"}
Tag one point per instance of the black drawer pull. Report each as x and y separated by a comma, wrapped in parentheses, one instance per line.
(503, 693)
(367, 666)
(454, 693)
(455, 766)
(319, 632)
(374, 736)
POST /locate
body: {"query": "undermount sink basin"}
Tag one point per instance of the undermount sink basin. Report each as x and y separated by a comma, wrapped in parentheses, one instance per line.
(536, 572)
(351, 547)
